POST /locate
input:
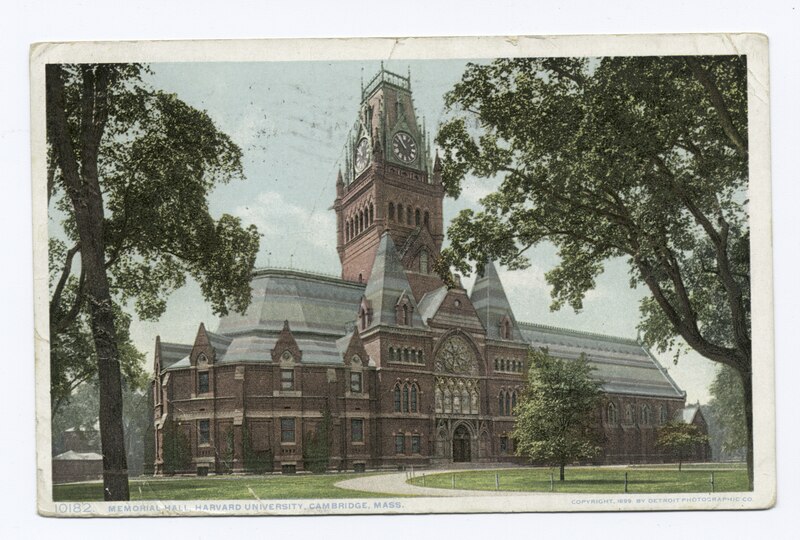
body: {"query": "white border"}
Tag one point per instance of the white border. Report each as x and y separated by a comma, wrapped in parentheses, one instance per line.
(754, 46)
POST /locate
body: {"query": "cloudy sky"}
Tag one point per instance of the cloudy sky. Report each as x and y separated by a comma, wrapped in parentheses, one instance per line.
(291, 121)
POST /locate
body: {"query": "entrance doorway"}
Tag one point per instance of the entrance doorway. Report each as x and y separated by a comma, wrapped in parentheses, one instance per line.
(461, 445)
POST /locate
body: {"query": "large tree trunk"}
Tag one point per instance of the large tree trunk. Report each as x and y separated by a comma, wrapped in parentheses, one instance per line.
(83, 187)
(747, 387)
(561, 472)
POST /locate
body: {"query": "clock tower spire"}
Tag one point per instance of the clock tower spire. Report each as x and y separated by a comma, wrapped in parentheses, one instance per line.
(388, 184)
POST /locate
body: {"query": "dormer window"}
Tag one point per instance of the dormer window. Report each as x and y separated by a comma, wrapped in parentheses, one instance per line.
(423, 262)
(403, 311)
(505, 327)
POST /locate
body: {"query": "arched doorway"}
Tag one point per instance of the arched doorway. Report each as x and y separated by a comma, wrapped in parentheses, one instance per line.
(461, 445)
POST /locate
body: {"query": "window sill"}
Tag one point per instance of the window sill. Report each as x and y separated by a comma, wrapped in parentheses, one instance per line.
(287, 393)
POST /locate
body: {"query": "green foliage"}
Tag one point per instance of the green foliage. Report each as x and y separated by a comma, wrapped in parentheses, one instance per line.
(255, 461)
(640, 158)
(317, 444)
(228, 451)
(679, 438)
(556, 416)
(176, 448)
(727, 410)
(158, 161)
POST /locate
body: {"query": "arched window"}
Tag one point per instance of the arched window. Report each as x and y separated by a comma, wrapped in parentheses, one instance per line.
(405, 398)
(496, 365)
(426, 220)
(371, 213)
(629, 414)
(361, 218)
(408, 216)
(613, 419)
(501, 403)
(413, 398)
(391, 211)
(405, 322)
(416, 217)
(397, 398)
(663, 414)
(400, 213)
(508, 403)
(405, 351)
(514, 403)
(423, 262)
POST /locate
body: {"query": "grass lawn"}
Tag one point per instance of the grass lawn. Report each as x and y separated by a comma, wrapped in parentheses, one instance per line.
(301, 486)
(595, 480)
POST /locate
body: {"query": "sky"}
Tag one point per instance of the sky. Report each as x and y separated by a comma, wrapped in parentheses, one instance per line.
(291, 120)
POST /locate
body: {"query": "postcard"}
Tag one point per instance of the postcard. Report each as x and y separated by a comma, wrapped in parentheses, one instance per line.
(411, 275)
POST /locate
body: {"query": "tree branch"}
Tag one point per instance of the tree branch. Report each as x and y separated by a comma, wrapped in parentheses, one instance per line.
(718, 102)
(65, 273)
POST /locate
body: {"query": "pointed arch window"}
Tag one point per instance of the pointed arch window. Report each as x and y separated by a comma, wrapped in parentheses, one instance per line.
(400, 213)
(646, 415)
(423, 261)
(426, 219)
(613, 417)
(663, 414)
(371, 213)
(513, 403)
(408, 215)
(508, 404)
(413, 406)
(391, 211)
(629, 414)
(397, 398)
(416, 217)
(405, 398)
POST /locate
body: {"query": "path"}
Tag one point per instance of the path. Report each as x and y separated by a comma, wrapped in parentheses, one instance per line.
(395, 484)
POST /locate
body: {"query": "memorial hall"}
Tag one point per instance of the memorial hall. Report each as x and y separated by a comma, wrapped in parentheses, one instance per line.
(399, 369)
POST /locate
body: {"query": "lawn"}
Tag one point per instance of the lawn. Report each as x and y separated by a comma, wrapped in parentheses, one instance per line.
(594, 480)
(301, 486)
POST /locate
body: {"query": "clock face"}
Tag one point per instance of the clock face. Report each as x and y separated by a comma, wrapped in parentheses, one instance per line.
(362, 154)
(404, 147)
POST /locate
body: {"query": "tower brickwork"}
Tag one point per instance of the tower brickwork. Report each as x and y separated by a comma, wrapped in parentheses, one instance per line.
(389, 183)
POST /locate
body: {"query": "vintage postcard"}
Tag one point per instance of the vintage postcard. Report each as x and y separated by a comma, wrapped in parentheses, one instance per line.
(417, 275)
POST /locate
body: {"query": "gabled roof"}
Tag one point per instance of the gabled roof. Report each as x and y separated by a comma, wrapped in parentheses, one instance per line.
(491, 303)
(387, 283)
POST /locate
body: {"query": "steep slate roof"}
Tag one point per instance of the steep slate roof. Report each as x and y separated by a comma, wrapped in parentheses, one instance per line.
(172, 353)
(430, 303)
(386, 284)
(321, 311)
(624, 365)
(491, 303)
(311, 303)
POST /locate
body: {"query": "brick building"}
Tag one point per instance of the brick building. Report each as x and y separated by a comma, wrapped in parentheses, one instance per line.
(407, 371)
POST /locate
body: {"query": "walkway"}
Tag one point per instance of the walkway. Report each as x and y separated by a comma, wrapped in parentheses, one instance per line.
(395, 484)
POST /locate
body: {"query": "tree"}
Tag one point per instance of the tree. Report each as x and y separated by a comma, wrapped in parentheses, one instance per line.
(130, 171)
(317, 444)
(727, 411)
(556, 416)
(642, 158)
(176, 448)
(680, 439)
(256, 461)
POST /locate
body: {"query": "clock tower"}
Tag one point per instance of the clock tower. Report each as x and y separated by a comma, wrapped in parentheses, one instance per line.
(389, 183)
